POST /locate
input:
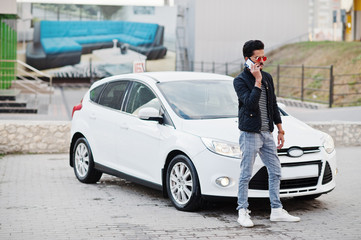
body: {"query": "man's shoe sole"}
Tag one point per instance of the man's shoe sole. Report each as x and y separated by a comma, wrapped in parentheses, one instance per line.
(246, 226)
(284, 220)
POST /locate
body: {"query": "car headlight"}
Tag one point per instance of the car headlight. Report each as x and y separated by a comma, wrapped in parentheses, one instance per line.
(223, 148)
(328, 144)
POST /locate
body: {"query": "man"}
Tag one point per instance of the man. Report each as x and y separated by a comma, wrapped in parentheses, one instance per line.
(258, 112)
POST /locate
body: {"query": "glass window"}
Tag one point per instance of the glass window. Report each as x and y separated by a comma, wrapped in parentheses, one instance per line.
(140, 97)
(201, 99)
(113, 94)
(95, 93)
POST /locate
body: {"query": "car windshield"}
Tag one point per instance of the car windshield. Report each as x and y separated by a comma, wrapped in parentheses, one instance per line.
(201, 99)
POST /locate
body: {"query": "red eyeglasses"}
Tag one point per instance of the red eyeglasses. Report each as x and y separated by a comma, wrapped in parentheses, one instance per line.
(258, 59)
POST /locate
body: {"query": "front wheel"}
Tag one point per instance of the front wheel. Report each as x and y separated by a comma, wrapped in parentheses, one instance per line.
(83, 162)
(182, 184)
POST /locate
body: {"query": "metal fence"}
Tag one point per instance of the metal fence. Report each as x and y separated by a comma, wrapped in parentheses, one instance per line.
(346, 89)
(318, 84)
(227, 68)
(306, 83)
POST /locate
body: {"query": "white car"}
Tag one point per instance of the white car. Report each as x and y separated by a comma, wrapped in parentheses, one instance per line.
(178, 132)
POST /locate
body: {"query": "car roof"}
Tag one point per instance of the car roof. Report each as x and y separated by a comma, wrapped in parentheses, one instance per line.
(184, 76)
(169, 76)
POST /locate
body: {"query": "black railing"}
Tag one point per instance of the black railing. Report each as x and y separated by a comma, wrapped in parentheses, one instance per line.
(227, 68)
(306, 83)
(316, 86)
(345, 85)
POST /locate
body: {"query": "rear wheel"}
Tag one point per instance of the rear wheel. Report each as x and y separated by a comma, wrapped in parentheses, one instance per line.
(182, 184)
(83, 162)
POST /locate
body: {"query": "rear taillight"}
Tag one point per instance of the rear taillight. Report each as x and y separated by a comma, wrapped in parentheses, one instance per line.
(77, 108)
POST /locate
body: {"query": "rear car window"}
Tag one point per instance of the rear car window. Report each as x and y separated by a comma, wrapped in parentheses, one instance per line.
(113, 94)
(95, 93)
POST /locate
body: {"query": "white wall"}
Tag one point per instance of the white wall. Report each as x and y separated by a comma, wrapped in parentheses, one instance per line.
(8, 7)
(222, 26)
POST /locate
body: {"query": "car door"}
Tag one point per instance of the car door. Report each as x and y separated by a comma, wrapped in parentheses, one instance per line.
(143, 138)
(106, 123)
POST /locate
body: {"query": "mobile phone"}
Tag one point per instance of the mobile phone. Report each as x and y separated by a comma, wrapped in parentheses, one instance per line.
(249, 63)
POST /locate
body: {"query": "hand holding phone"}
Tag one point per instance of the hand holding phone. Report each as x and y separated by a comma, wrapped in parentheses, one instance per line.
(255, 72)
(249, 63)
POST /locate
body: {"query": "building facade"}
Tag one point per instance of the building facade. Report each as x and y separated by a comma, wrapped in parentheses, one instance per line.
(215, 30)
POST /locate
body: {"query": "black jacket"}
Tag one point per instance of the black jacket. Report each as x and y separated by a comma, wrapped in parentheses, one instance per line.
(249, 115)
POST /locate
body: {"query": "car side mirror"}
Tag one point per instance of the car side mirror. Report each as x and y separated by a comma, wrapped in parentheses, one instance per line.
(150, 114)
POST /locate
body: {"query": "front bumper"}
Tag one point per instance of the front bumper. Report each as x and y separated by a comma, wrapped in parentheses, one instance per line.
(211, 166)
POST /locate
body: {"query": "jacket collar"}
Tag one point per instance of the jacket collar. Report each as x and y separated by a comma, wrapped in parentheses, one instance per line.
(250, 80)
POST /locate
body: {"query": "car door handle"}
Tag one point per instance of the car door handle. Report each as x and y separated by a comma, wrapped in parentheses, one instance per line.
(92, 116)
(124, 126)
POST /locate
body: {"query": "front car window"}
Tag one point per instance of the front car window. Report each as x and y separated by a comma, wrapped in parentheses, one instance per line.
(141, 97)
(201, 99)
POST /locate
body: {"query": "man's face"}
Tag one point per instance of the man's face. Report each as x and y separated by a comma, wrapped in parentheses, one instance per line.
(258, 58)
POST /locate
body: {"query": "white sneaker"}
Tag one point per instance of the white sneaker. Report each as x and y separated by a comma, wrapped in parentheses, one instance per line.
(244, 219)
(281, 215)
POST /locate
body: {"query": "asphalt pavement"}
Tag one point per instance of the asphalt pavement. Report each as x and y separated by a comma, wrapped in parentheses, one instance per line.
(40, 198)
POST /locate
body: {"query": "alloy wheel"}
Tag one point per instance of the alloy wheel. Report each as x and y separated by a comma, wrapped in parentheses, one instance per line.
(82, 160)
(181, 183)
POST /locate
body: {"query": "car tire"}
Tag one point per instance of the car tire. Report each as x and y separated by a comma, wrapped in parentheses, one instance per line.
(182, 184)
(83, 162)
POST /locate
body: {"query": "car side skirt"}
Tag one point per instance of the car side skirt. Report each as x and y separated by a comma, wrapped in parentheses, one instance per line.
(119, 174)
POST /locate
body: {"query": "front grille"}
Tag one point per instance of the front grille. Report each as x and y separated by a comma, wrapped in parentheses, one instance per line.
(260, 179)
(299, 183)
(306, 150)
(327, 175)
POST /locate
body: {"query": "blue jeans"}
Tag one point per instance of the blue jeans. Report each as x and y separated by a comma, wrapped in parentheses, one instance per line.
(263, 144)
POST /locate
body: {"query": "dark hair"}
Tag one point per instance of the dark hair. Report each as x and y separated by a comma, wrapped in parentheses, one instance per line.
(250, 46)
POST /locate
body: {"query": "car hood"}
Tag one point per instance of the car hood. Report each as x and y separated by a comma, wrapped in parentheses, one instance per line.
(297, 133)
(223, 129)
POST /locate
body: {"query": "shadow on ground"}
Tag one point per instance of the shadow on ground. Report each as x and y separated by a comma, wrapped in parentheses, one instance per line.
(222, 209)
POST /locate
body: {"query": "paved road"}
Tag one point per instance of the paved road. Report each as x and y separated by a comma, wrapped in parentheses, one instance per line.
(348, 114)
(40, 198)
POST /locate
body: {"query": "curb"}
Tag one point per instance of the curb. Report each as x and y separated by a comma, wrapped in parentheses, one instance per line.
(300, 104)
